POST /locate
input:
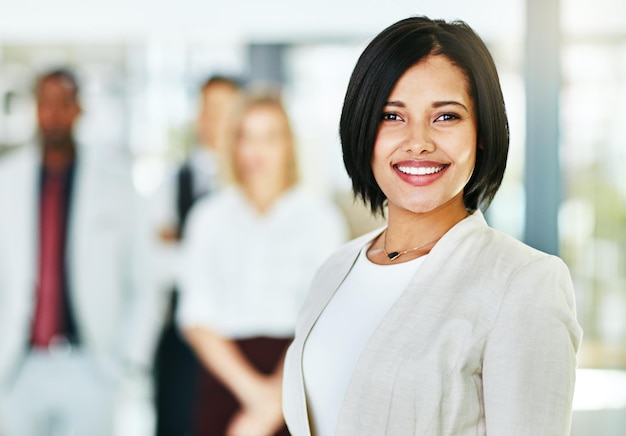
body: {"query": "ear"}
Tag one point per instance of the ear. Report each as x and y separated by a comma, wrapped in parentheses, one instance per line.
(78, 108)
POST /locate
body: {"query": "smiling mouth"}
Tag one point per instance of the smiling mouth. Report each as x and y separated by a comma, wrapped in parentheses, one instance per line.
(420, 171)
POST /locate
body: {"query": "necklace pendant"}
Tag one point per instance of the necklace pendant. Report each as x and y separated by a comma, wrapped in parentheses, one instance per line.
(393, 255)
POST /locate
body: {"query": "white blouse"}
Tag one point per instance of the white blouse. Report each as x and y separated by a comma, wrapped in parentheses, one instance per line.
(335, 343)
(244, 274)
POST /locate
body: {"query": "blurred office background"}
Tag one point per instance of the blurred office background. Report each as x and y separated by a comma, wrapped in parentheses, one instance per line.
(563, 71)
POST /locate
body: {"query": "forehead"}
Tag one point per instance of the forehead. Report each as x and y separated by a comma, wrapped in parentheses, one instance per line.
(263, 117)
(218, 90)
(433, 77)
(264, 110)
(56, 87)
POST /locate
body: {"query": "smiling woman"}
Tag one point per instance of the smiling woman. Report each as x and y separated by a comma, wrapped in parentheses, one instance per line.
(437, 324)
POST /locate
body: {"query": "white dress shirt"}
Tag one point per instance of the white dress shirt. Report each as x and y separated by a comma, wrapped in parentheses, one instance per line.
(245, 274)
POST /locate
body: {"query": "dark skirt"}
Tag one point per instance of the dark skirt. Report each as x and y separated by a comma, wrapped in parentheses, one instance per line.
(215, 405)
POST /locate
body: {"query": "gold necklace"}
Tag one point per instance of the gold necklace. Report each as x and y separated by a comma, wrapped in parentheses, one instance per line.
(396, 254)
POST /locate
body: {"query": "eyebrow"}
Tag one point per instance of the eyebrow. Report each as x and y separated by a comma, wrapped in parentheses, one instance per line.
(435, 104)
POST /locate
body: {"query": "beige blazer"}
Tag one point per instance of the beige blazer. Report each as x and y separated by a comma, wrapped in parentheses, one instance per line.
(482, 341)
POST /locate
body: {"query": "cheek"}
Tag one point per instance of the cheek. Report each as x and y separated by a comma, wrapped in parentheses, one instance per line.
(278, 156)
(379, 154)
(468, 164)
(68, 119)
(465, 147)
(467, 155)
(262, 154)
(242, 155)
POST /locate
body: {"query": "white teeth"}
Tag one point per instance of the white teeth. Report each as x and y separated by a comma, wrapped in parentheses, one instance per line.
(420, 171)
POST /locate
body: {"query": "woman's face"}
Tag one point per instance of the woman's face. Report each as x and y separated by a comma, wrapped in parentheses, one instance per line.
(425, 149)
(263, 145)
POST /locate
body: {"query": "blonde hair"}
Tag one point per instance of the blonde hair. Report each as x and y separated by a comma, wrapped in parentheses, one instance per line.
(253, 100)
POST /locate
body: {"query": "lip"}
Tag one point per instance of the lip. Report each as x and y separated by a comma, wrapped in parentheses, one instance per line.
(420, 173)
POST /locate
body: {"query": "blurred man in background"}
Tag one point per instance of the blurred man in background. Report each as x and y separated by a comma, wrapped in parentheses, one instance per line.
(176, 365)
(78, 312)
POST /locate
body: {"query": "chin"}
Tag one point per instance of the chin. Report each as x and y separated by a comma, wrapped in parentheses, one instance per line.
(424, 206)
(415, 208)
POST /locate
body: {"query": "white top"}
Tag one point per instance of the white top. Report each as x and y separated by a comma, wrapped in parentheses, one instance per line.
(334, 345)
(244, 274)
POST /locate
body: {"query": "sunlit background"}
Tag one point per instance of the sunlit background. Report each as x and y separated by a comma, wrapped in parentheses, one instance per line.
(141, 62)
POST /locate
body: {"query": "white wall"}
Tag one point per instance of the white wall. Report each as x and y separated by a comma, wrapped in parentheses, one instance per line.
(244, 20)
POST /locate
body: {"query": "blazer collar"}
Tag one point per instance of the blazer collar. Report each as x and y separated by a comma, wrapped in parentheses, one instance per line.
(339, 265)
(332, 276)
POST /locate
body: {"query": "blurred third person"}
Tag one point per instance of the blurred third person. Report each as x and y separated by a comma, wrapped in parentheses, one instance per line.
(249, 254)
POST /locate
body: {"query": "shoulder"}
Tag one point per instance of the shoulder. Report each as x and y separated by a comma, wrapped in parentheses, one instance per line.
(314, 208)
(105, 179)
(507, 280)
(483, 246)
(17, 160)
(476, 256)
(223, 200)
(19, 174)
(529, 273)
(348, 251)
(210, 210)
(111, 165)
(300, 198)
(522, 273)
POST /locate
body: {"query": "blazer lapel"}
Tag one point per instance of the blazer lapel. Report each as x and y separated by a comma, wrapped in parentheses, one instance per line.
(328, 279)
(24, 214)
(427, 291)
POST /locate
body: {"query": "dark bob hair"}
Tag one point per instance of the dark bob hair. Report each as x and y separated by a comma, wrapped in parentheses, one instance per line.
(381, 65)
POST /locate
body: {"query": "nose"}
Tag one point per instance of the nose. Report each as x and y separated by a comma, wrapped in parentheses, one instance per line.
(419, 139)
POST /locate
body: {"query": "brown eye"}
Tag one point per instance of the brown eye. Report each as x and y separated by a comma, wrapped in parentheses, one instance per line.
(447, 117)
(388, 116)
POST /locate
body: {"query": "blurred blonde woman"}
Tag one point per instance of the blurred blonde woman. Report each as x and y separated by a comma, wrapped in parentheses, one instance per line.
(250, 252)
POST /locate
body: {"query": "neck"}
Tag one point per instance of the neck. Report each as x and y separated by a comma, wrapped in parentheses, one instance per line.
(58, 156)
(407, 230)
(263, 196)
(410, 235)
(205, 145)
